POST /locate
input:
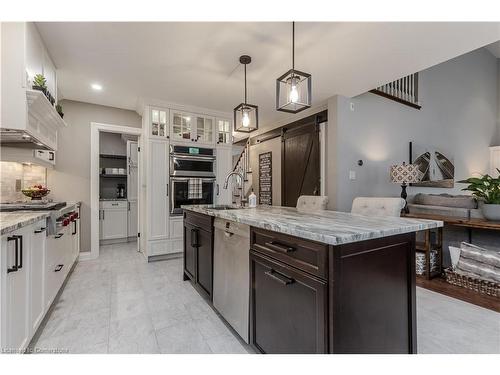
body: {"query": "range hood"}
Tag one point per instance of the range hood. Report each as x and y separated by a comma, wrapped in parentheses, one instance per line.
(44, 158)
(20, 139)
(36, 128)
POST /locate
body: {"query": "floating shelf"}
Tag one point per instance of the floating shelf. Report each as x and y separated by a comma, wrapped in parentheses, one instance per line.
(114, 175)
(109, 156)
(45, 112)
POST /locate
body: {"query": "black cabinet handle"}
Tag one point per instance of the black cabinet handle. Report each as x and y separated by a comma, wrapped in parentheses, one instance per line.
(59, 235)
(74, 228)
(39, 230)
(51, 155)
(217, 189)
(59, 267)
(20, 265)
(282, 279)
(14, 267)
(275, 245)
(194, 238)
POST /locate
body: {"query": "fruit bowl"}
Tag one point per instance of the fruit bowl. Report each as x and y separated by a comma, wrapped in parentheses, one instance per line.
(36, 192)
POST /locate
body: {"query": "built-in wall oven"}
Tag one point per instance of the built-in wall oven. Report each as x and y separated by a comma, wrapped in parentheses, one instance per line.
(192, 177)
(192, 161)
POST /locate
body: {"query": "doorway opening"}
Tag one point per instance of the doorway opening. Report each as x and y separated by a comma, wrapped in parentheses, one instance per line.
(115, 188)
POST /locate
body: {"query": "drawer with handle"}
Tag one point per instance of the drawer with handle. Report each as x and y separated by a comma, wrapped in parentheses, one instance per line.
(122, 205)
(308, 256)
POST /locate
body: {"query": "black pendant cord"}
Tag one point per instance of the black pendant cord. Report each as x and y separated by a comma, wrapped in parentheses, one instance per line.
(245, 83)
(293, 46)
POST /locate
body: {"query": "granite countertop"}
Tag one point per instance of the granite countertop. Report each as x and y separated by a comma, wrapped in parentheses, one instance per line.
(331, 227)
(11, 221)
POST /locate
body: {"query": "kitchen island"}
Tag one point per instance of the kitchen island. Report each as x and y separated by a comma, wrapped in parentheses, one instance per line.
(320, 282)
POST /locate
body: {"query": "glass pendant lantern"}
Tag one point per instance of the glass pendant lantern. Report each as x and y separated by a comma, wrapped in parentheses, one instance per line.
(246, 116)
(293, 89)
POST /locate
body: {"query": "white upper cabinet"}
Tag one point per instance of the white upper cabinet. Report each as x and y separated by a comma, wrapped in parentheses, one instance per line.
(224, 131)
(204, 130)
(189, 127)
(158, 124)
(182, 127)
(26, 111)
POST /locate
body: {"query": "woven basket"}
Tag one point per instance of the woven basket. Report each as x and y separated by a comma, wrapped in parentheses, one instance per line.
(481, 286)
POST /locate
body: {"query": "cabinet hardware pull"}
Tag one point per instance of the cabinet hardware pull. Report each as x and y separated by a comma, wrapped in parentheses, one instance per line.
(59, 267)
(194, 238)
(20, 265)
(102, 215)
(168, 188)
(282, 279)
(74, 228)
(217, 189)
(39, 230)
(14, 267)
(59, 235)
(274, 245)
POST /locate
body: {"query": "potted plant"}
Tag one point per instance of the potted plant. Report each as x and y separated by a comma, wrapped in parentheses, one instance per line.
(59, 110)
(487, 190)
(40, 83)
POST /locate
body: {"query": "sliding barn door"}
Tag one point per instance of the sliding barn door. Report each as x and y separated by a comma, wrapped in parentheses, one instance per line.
(300, 174)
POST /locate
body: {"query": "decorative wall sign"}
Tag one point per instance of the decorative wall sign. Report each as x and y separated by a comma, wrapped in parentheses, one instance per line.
(437, 169)
(265, 178)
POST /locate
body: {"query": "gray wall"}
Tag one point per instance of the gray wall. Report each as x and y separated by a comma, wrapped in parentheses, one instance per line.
(497, 143)
(112, 144)
(70, 181)
(459, 113)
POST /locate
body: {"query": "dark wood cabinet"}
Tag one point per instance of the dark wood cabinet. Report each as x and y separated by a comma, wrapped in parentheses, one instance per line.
(198, 252)
(308, 297)
(189, 251)
(288, 308)
(204, 263)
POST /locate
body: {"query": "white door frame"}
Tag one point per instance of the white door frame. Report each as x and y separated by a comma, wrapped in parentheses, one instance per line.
(95, 128)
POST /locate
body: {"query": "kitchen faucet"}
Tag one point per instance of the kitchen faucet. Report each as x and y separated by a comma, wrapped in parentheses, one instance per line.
(226, 182)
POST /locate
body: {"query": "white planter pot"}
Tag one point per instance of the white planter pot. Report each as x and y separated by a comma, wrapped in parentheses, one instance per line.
(491, 211)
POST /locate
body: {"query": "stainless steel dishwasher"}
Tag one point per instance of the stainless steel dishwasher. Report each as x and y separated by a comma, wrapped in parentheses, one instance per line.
(232, 274)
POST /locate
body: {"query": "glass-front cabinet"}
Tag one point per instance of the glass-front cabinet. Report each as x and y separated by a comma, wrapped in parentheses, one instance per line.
(224, 133)
(181, 127)
(204, 129)
(190, 127)
(159, 123)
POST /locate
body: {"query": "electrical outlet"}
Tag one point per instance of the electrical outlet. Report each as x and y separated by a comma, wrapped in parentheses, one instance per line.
(18, 184)
(352, 175)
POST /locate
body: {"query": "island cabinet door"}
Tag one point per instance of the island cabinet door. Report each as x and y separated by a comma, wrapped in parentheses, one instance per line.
(288, 309)
(204, 262)
(189, 251)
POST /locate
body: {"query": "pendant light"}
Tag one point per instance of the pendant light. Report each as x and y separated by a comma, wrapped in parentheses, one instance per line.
(246, 116)
(293, 89)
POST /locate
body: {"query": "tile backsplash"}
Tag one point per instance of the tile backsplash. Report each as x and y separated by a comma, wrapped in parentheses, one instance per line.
(17, 176)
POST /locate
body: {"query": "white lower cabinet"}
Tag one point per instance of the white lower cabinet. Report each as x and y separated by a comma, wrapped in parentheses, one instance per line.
(132, 218)
(37, 260)
(33, 269)
(114, 220)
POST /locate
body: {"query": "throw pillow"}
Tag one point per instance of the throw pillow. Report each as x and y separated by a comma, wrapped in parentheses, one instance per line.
(479, 262)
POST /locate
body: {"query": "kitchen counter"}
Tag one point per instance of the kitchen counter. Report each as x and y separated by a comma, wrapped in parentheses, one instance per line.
(345, 282)
(330, 227)
(11, 221)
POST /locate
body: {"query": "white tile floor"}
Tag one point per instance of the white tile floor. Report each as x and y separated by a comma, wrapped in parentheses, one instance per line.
(121, 304)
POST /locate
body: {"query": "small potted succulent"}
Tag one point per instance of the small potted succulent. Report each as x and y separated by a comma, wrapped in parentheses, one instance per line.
(59, 110)
(40, 83)
(487, 190)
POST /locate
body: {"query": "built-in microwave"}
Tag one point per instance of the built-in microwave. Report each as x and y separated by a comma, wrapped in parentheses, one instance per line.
(179, 193)
(192, 161)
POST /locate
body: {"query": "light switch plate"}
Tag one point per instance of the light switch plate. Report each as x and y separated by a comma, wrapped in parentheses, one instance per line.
(18, 184)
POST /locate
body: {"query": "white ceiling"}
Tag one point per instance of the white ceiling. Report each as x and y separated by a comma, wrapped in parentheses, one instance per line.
(196, 63)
